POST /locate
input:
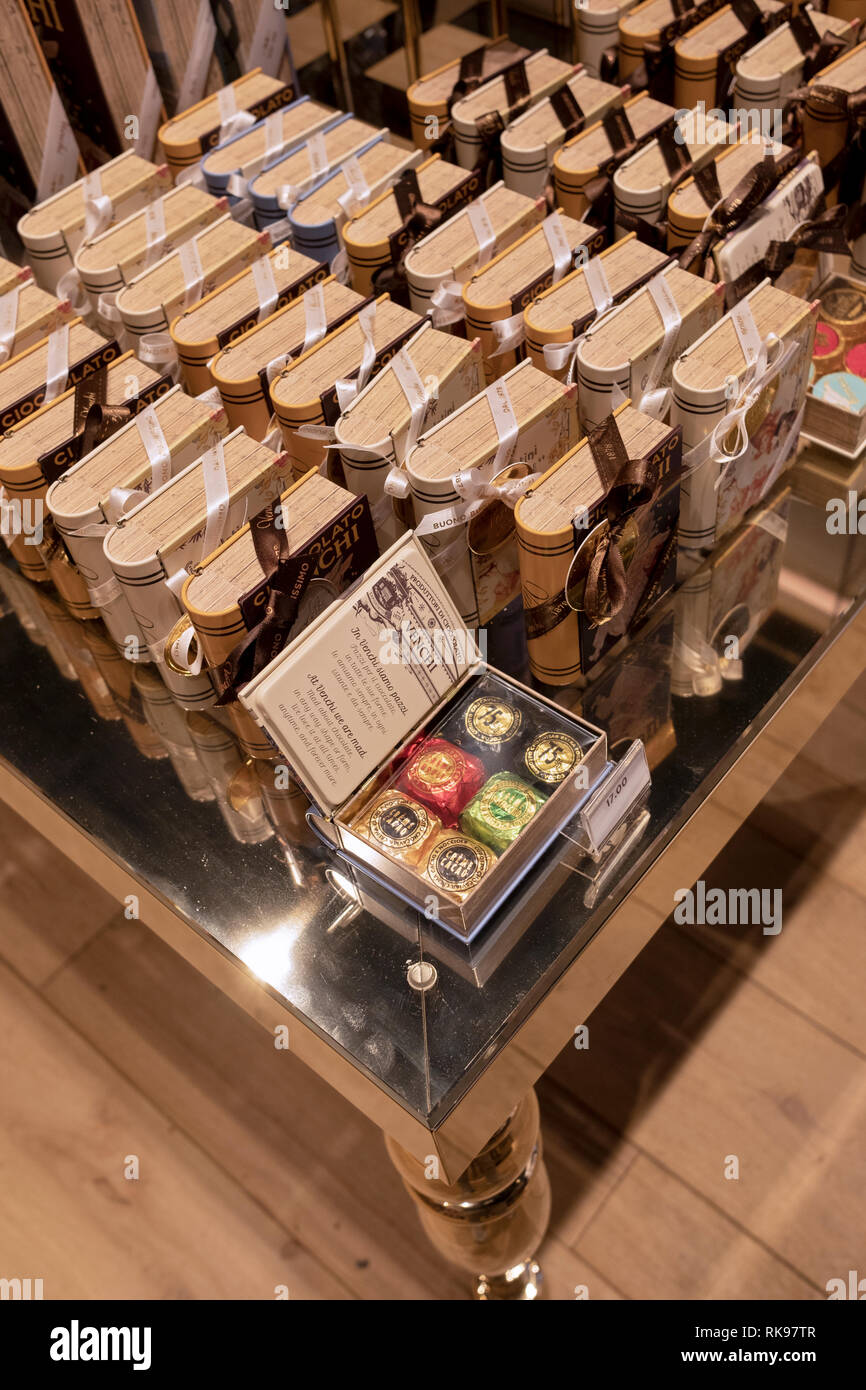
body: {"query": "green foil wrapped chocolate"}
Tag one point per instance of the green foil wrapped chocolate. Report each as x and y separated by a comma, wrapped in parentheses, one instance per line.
(499, 811)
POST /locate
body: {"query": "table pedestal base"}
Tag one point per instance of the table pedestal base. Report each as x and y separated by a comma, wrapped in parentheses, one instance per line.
(492, 1220)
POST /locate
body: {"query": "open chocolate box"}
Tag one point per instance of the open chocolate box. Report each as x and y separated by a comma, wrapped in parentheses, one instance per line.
(440, 776)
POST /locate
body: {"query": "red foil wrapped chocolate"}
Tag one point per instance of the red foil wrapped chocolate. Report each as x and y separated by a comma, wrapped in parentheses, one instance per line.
(443, 777)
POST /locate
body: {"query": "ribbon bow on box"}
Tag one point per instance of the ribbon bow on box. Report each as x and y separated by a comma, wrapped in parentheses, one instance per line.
(92, 420)
(772, 357)
(630, 484)
(734, 209)
(824, 232)
(417, 219)
(597, 583)
(846, 168)
(507, 487)
(287, 578)
(818, 50)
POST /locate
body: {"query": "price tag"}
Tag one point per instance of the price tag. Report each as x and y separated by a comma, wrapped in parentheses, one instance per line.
(609, 803)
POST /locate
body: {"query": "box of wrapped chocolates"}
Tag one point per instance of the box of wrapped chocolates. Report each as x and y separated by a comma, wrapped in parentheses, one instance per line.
(835, 414)
(437, 774)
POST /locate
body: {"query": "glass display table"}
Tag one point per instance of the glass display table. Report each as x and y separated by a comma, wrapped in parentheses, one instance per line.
(437, 1041)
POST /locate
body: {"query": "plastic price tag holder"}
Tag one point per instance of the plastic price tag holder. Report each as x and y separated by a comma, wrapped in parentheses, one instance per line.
(608, 805)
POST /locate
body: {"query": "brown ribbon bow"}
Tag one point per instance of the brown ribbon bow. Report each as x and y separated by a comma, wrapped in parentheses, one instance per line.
(598, 192)
(818, 50)
(92, 421)
(734, 209)
(286, 580)
(278, 597)
(469, 76)
(418, 218)
(829, 101)
(630, 484)
(825, 232)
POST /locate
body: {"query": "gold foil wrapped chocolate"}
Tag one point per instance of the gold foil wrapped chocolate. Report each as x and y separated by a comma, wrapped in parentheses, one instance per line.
(497, 814)
(399, 826)
(550, 756)
(492, 721)
(457, 863)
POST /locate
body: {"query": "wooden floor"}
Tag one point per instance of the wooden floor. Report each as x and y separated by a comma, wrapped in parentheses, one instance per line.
(253, 1174)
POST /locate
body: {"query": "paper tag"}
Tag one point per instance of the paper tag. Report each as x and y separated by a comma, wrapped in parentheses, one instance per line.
(149, 113)
(269, 40)
(743, 319)
(154, 441)
(191, 269)
(482, 229)
(60, 153)
(154, 231)
(195, 73)
(266, 286)
(557, 241)
(56, 363)
(608, 804)
(597, 284)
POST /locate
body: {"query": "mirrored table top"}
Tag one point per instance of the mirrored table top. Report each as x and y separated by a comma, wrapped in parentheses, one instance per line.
(186, 821)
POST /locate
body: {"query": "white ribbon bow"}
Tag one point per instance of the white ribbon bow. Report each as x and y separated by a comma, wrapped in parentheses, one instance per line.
(509, 334)
(397, 482)
(158, 351)
(447, 302)
(98, 213)
(69, 287)
(473, 487)
(236, 124)
(770, 361)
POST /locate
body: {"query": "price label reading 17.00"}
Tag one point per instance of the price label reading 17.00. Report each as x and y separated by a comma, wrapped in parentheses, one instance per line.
(617, 793)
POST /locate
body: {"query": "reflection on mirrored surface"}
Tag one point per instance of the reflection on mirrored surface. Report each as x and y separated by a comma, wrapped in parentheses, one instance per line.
(172, 797)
